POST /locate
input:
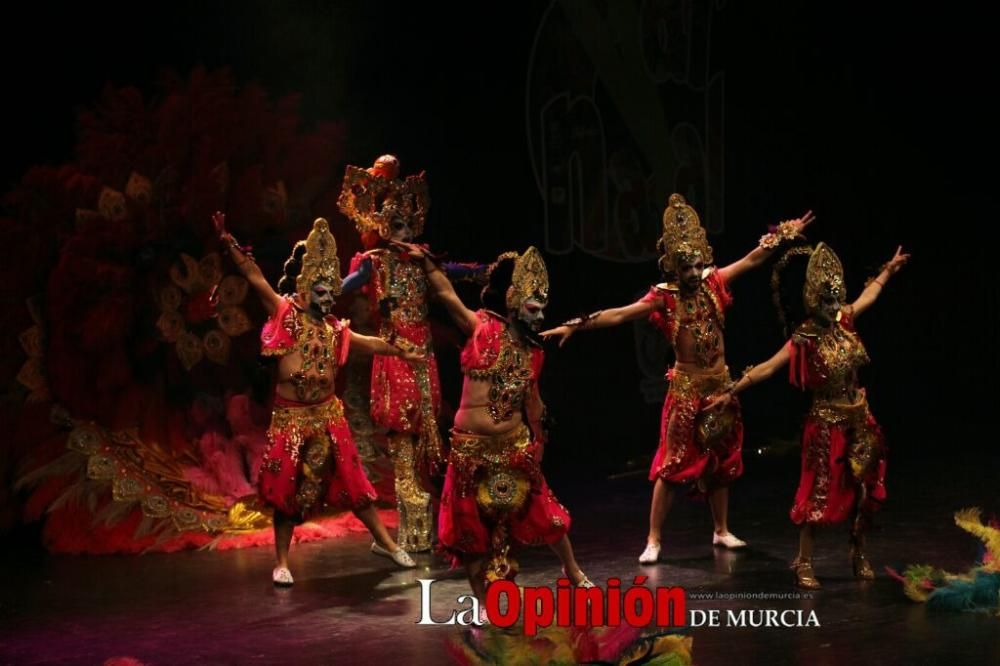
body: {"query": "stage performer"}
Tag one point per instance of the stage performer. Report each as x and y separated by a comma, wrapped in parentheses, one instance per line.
(689, 308)
(843, 451)
(311, 461)
(495, 496)
(405, 398)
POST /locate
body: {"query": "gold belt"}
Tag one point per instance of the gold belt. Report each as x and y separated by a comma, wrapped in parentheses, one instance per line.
(696, 384)
(836, 413)
(491, 448)
(307, 418)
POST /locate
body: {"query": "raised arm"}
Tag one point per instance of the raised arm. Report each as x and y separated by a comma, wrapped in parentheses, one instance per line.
(874, 287)
(601, 319)
(247, 266)
(443, 290)
(768, 244)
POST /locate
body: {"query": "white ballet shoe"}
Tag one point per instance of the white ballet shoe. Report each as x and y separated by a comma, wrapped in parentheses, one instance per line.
(282, 576)
(728, 540)
(651, 554)
(399, 556)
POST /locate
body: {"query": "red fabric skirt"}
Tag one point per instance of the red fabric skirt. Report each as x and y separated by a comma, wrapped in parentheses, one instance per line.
(843, 454)
(311, 461)
(695, 445)
(491, 482)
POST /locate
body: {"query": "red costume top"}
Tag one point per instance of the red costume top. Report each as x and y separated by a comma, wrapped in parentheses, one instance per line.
(491, 354)
(826, 361)
(703, 314)
(281, 332)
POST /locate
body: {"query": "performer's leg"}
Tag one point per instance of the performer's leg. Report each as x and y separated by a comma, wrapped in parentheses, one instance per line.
(564, 550)
(284, 525)
(807, 537)
(802, 565)
(718, 500)
(474, 570)
(416, 518)
(384, 545)
(862, 567)
(663, 497)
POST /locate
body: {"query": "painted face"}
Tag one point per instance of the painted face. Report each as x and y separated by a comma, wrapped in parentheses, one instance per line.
(828, 308)
(400, 230)
(532, 312)
(321, 299)
(689, 274)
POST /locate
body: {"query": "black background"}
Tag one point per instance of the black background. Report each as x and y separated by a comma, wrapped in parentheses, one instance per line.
(881, 119)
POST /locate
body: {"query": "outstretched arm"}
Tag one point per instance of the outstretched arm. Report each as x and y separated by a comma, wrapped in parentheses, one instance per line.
(443, 290)
(368, 344)
(768, 244)
(755, 374)
(875, 286)
(247, 266)
(466, 271)
(601, 319)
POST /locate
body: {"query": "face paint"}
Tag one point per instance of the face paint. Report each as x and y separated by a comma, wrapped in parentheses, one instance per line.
(321, 299)
(532, 313)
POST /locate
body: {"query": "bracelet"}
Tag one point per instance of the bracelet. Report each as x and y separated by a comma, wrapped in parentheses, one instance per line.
(784, 231)
(577, 322)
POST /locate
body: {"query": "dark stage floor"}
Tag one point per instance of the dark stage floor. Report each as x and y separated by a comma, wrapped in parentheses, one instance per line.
(350, 607)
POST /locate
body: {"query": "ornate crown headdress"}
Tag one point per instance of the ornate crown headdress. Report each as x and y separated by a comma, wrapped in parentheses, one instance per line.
(372, 197)
(320, 262)
(530, 278)
(824, 276)
(683, 239)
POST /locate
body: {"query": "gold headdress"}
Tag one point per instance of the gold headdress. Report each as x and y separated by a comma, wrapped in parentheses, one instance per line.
(320, 262)
(530, 279)
(683, 240)
(824, 276)
(372, 197)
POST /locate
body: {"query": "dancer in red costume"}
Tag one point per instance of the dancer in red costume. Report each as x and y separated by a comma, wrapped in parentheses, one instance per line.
(843, 451)
(690, 311)
(495, 496)
(311, 461)
(405, 398)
